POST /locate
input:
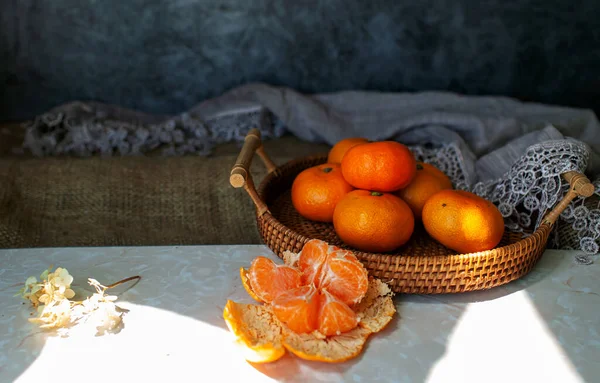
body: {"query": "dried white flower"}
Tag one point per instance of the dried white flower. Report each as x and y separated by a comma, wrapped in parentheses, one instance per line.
(100, 310)
(53, 287)
(56, 311)
(55, 314)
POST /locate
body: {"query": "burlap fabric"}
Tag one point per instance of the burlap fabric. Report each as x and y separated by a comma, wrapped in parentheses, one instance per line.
(121, 201)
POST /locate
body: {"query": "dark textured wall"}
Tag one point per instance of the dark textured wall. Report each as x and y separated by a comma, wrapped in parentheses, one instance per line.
(163, 56)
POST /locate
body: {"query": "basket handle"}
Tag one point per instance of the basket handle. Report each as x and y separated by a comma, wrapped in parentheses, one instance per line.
(240, 173)
(580, 187)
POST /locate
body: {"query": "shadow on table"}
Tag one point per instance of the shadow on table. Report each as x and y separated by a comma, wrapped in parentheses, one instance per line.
(422, 335)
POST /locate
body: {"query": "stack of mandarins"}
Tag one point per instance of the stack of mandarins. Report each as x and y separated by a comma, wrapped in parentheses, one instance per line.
(373, 192)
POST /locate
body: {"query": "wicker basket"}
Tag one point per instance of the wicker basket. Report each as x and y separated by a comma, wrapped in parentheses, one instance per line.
(422, 266)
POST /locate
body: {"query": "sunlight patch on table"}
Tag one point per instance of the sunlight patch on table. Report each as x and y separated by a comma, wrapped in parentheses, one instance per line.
(154, 345)
(504, 340)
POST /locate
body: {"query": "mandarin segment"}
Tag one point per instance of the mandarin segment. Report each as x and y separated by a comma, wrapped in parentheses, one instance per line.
(347, 279)
(312, 258)
(333, 248)
(256, 331)
(335, 317)
(298, 308)
(268, 280)
(343, 254)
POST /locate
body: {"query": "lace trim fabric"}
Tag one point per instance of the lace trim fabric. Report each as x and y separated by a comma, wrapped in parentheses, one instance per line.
(531, 188)
(448, 159)
(79, 132)
(523, 195)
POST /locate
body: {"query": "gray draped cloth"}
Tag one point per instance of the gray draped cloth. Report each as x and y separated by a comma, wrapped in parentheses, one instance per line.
(491, 132)
(509, 151)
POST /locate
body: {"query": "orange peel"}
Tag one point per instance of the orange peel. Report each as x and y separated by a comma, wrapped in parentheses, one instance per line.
(256, 331)
(265, 339)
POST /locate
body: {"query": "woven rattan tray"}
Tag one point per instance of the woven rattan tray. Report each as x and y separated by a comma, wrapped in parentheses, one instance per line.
(422, 266)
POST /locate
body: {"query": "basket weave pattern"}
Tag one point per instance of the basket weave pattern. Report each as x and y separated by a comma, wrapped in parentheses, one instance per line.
(421, 266)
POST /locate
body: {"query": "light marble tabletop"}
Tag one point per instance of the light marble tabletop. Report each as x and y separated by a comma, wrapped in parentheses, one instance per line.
(542, 328)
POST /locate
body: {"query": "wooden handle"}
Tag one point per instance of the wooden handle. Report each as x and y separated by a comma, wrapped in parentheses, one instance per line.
(241, 168)
(240, 173)
(580, 187)
(580, 184)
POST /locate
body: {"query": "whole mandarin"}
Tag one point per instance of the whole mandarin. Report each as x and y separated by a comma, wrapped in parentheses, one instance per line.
(383, 166)
(428, 180)
(373, 221)
(463, 221)
(338, 150)
(317, 190)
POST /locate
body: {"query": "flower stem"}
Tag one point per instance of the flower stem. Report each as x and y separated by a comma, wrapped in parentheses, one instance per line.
(123, 281)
